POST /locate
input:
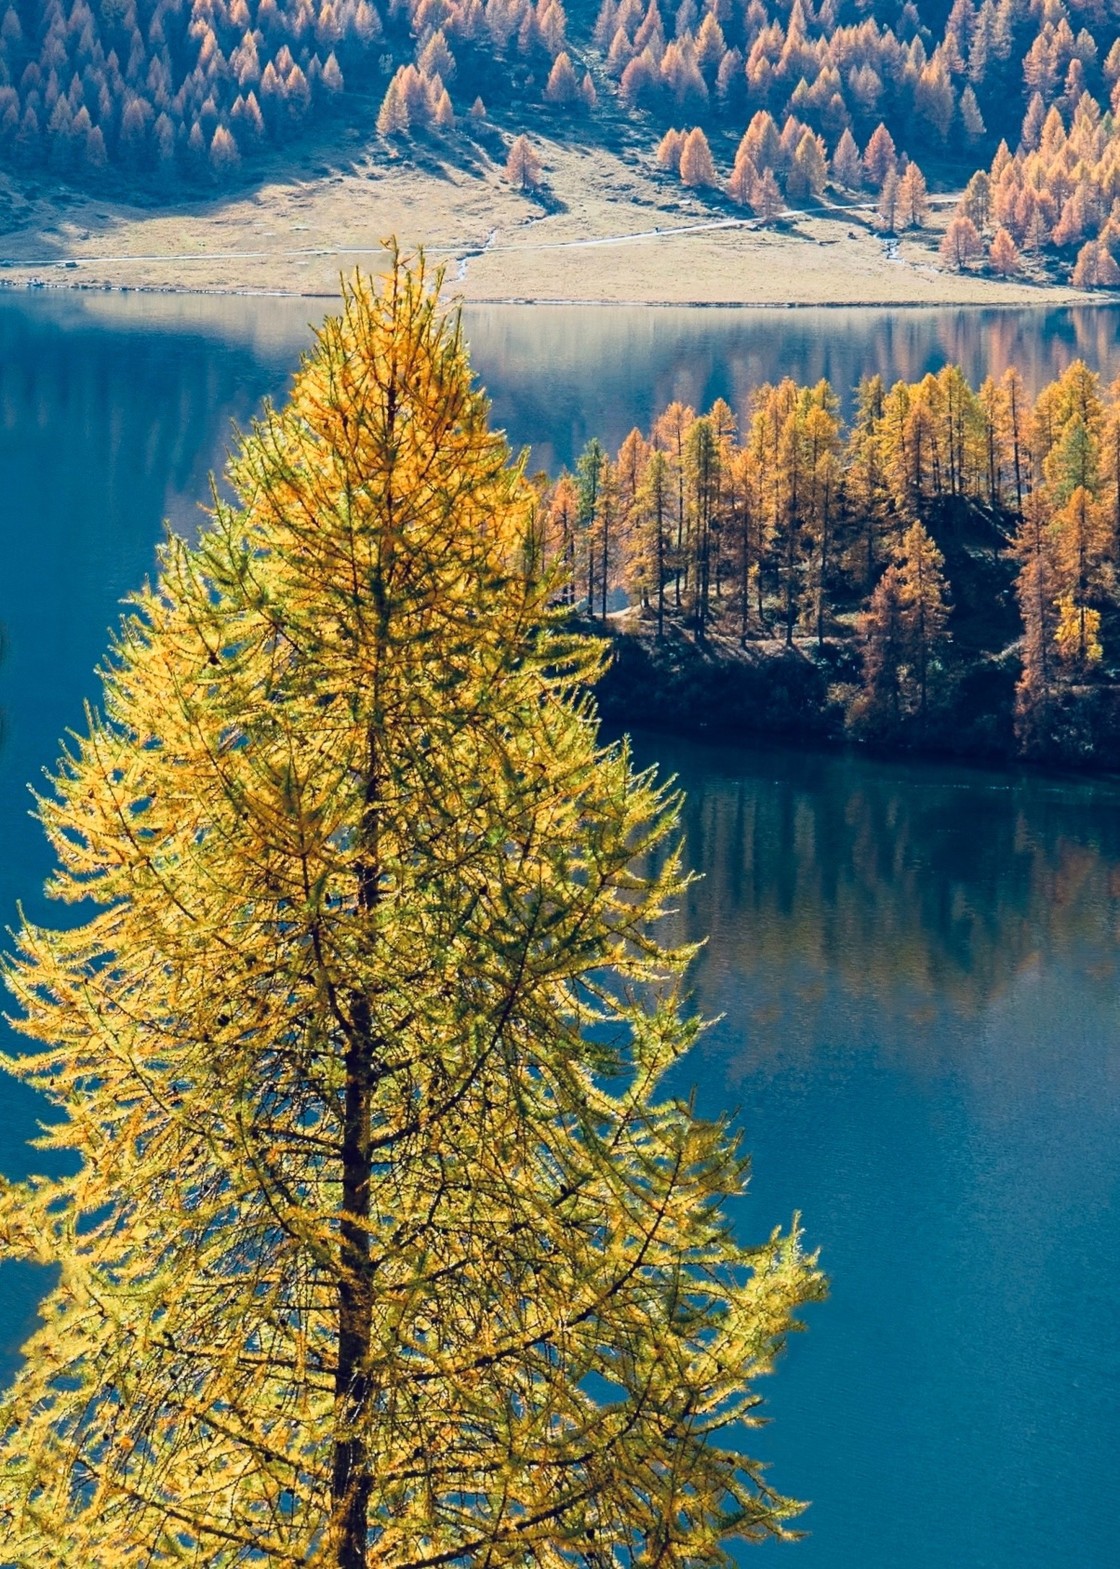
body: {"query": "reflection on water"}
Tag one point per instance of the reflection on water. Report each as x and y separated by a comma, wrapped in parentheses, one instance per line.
(559, 374)
(836, 889)
(913, 976)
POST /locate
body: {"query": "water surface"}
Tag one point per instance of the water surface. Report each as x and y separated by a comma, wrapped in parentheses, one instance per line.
(914, 971)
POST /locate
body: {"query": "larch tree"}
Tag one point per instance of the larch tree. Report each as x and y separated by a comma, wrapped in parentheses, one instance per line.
(924, 598)
(670, 432)
(889, 201)
(696, 166)
(1083, 543)
(703, 459)
(562, 86)
(563, 512)
(523, 164)
(961, 243)
(643, 536)
(976, 201)
(847, 165)
(591, 467)
(745, 518)
(381, 1242)
(913, 197)
(1003, 254)
(1037, 592)
(668, 154)
(655, 502)
(879, 158)
(877, 708)
(782, 414)
(742, 181)
(767, 199)
(866, 486)
(822, 443)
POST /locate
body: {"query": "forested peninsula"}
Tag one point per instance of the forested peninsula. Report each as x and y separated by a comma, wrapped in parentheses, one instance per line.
(938, 575)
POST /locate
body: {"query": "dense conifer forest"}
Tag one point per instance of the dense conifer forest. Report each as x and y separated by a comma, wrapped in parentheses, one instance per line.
(940, 572)
(767, 101)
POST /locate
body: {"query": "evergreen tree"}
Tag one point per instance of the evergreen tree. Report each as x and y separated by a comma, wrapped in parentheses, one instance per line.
(372, 1252)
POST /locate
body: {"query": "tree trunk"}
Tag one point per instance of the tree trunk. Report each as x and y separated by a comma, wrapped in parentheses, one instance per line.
(350, 1474)
(660, 569)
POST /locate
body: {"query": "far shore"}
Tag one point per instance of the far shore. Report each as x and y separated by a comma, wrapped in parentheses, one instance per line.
(602, 231)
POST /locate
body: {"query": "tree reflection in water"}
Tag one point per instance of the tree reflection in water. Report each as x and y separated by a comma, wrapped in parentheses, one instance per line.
(848, 900)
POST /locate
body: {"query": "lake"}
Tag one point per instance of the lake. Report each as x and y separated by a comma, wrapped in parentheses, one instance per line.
(915, 967)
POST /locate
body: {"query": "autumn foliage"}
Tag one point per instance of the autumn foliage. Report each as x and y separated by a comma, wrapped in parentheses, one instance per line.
(780, 526)
(379, 1239)
(142, 86)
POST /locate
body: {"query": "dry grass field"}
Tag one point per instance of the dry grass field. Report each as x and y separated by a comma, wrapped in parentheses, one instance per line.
(605, 228)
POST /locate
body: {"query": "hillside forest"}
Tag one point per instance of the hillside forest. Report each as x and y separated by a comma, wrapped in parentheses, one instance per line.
(942, 571)
(780, 100)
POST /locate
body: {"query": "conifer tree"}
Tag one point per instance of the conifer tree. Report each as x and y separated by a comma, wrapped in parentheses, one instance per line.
(903, 632)
(562, 514)
(1004, 254)
(371, 1252)
(696, 166)
(913, 199)
(878, 706)
(866, 479)
(889, 201)
(925, 608)
(961, 243)
(1082, 544)
(847, 165)
(767, 198)
(590, 469)
(650, 539)
(704, 459)
(1036, 590)
(822, 444)
(669, 434)
(523, 164)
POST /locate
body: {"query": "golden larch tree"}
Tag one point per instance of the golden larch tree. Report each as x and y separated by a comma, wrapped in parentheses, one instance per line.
(382, 1243)
(523, 164)
(696, 166)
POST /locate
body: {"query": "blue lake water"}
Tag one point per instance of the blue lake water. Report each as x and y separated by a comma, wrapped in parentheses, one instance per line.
(916, 967)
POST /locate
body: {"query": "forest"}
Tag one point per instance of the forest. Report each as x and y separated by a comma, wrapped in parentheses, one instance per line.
(784, 98)
(940, 572)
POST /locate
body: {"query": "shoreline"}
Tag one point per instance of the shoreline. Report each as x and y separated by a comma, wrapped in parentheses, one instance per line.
(774, 695)
(1047, 297)
(524, 302)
